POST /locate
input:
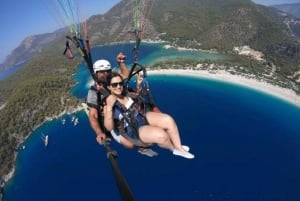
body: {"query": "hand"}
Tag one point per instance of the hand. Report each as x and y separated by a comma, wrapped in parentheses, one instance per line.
(101, 138)
(110, 101)
(121, 58)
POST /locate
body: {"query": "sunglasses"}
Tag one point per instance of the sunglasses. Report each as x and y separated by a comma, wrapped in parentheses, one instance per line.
(114, 85)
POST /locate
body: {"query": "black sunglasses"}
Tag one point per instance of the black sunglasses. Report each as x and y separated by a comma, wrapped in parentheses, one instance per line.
(114, 85)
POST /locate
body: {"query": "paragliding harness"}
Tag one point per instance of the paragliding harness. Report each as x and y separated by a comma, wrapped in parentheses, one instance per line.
(133, 118)
(101, 96)
(136, 110)
(143, 102)
(68, 52)
(67, 8)
(144, 90)
(83, 48)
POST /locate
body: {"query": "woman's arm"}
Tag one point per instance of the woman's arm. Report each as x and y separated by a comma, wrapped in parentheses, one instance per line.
(108, 113)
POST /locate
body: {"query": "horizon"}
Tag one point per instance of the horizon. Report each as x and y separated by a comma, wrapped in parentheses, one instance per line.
(11, 38)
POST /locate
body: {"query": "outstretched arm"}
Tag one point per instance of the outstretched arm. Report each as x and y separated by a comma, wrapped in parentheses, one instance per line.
(121, 61)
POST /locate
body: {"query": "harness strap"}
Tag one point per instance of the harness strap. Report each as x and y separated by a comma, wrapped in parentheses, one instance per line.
(129, 115)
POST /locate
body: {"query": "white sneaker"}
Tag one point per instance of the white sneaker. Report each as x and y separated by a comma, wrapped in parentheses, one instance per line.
(184, 154)
(148, 152)
(186, 148)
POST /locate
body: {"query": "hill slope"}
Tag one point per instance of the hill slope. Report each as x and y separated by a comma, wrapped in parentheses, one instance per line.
(292, 9)
(205, 24)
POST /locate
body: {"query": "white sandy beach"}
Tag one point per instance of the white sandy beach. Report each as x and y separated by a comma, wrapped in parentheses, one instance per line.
(221, 75)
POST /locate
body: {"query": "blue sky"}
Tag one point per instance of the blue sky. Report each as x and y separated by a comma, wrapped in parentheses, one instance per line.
(275, 2)
(22, 18)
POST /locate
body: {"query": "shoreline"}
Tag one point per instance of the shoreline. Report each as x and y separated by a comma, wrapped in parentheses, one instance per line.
(6, 178)
(285, 94)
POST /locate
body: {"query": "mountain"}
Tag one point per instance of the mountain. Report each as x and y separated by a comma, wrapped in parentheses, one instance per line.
(290, 15)
(292, 9)
(222, 25)
(29, 47)
(205, 24)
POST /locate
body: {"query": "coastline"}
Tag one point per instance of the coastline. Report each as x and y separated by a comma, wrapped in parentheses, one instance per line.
(2, 106)
(9, 176)
(222, 75)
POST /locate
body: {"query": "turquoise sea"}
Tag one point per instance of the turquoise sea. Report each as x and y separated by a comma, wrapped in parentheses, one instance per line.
(247, 146)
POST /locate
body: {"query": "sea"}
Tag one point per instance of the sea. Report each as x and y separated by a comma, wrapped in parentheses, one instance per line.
(246, 143)
(7, 73)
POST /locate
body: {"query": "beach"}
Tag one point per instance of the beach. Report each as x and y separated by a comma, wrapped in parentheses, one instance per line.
(222, 75)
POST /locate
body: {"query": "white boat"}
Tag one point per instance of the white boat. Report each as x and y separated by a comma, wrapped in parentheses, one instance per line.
(76, 121)
(45, 138)
(63, 121)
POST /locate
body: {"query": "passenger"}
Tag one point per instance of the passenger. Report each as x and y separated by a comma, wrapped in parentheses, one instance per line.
(102, 68)
(140, 127)
(142, 88)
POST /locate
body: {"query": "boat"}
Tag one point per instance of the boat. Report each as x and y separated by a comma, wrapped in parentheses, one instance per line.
(45, 138)
(63, 121)
(76, 121)
(21, 147)
(72, 118)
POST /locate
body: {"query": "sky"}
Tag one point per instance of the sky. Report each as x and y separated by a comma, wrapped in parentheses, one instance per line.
(275, 2)
(22, 18)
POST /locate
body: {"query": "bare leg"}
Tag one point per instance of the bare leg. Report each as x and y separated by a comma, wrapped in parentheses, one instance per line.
(152, 134)
(167, 123)
(126, 143)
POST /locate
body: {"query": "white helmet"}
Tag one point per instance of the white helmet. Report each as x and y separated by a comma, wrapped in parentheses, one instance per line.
(101, 65)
